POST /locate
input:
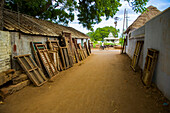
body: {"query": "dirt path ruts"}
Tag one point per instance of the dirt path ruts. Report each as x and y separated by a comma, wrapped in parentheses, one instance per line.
(103, 83)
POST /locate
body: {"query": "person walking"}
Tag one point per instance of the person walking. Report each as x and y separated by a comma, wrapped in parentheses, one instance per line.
(103, 45)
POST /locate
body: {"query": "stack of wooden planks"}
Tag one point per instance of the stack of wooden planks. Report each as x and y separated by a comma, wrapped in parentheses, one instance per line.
(45, 63)
(53, 57)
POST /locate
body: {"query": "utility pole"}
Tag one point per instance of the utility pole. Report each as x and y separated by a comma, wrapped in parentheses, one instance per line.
(123, 29)
(127, 19)
(126, 28)
(1, 14)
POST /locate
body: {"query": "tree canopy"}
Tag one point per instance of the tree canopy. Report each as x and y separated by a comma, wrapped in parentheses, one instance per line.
(89, 12)
(100, 33)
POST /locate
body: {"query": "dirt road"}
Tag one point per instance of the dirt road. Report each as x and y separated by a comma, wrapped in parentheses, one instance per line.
(103, 83)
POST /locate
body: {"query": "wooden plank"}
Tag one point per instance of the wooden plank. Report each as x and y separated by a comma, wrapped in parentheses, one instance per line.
(36, 79)
(68, 43)
(136, 55)
(76, 55)
(39, 70)
(54, 46)
(34, 68)
(87, 50)
(62, 57)
(56, 59)
(19, 79)
(76, 49)
(58, 62)
(14, 88)
(71, 56)
(150, 63)
(61, 67)
(36, 55)
(46, 60)
(89, 47)
(66, 58)
(79, 54)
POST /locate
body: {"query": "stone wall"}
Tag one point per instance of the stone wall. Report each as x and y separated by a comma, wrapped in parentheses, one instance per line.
(5, 51)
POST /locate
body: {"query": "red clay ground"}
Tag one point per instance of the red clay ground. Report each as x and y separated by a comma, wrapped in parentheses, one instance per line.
(103, 83)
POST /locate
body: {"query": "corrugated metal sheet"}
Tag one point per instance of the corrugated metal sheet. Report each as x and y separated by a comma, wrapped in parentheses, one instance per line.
(15, 21)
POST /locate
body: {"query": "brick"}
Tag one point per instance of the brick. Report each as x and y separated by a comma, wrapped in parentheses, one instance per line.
(14, 88)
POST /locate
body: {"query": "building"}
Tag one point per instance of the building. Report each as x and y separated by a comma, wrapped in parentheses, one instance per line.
(111, 39)
(139, 22)
(155, 34)
(20, 29)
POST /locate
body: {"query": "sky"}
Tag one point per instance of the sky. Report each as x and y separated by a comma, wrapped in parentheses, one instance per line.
(160, 4)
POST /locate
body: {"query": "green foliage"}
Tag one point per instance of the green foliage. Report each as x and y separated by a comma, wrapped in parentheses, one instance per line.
(90, 34)
(109, 44)
(121, 41)
(101, 33)
(96, 44)
(89, 12)
(138, 5)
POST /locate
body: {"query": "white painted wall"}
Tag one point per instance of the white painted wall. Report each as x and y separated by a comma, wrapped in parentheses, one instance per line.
(133, 37)
(131, 49)
(157, 36)
(78, 41)
(22, 43)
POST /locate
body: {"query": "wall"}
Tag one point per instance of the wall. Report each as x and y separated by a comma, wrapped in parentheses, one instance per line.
(21, 45)
(81, 41)
(131, 49)
(78, 41)
(5, 51)
(136, 35)
(157, 36)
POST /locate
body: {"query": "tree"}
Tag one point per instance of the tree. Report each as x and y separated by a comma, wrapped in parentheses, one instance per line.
(89, 12)
(101, 33)
(90, 34)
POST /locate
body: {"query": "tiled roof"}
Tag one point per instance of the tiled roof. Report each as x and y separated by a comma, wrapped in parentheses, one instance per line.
(15, 21)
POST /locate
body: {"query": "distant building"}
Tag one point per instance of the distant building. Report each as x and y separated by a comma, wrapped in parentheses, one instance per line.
(111, 39)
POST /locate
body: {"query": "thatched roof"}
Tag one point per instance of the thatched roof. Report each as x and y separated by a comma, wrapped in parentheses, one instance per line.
(14, 21)
(143, 18)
